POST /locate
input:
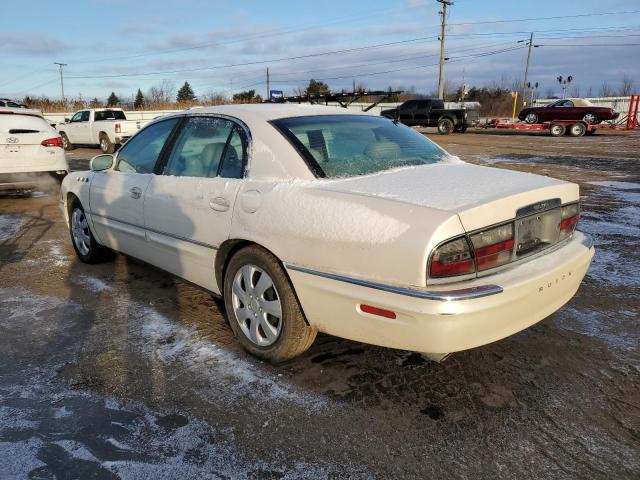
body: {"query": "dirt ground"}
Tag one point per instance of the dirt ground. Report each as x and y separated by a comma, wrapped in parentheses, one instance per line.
(119, 370)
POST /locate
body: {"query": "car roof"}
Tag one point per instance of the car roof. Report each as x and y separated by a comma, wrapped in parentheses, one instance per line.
(580, 102)
(21, 111)
(271, 111)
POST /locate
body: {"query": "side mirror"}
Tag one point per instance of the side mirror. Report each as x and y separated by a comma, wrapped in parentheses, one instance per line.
(101, 162)
(66, 119)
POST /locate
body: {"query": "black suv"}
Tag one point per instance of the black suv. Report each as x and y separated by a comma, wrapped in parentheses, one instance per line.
(429, 113)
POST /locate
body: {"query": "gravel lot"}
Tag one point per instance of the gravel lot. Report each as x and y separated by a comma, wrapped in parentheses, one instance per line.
(121, 371)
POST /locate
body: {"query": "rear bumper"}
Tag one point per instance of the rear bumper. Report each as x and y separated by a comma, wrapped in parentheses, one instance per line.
(523, 296)
(28, 181)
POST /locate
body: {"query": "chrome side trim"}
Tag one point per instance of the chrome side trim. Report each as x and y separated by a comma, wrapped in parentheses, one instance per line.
(159, 232)
(443, 296)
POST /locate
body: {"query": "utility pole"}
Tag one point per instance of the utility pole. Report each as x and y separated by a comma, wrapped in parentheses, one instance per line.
(526, 72)
(61, 80)
(268, 87)
(443, 14)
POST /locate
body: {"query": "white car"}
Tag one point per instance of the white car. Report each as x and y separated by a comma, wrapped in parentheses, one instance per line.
(104, 127)
(314, 219)
(31, 150)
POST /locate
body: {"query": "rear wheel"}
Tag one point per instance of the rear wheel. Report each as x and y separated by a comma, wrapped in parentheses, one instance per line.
(84, 243)
(262, 308)
(557, 130)
(591, 118)
(531, 117)
(445, 126)
(577, 129)
(105, 144)
(66, 143)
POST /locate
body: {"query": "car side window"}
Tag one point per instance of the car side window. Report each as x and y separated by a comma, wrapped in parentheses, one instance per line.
(235, 155)
(77, 117)
(410, 105)
(199, 147)
(85, 116)
(140, 154)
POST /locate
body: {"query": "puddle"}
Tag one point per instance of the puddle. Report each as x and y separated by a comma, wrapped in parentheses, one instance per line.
(9, 226)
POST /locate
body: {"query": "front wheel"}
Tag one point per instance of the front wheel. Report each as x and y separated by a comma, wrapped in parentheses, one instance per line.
(66, 144)
(531, 118)
(262, 308)
(105, 144)
(445, 126)
(84, 243)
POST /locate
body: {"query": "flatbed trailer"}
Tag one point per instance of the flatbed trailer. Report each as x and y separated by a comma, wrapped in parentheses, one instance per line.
(575, 128)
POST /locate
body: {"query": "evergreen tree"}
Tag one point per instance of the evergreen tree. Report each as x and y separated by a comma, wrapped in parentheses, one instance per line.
(185, 94)
(95, 103)
(113, 100)
(317, 87)
(139, 101)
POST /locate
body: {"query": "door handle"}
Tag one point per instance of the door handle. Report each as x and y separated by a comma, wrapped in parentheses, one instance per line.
(136, 192)
(219, 204)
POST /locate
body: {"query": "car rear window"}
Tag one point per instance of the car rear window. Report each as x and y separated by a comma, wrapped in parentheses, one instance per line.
(16, 124)
(351, 145)
(110, 115)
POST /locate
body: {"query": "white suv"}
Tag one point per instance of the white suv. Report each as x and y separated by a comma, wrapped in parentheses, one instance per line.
(29, 148)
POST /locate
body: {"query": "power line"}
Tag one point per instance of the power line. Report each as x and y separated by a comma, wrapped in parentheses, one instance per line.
(485, 22)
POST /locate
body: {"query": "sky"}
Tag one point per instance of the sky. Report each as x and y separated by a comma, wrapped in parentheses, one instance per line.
(226, 46)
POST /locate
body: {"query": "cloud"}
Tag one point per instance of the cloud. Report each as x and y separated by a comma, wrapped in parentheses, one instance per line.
(31, 43)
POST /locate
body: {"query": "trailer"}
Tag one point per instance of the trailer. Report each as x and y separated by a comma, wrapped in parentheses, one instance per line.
(575, 128)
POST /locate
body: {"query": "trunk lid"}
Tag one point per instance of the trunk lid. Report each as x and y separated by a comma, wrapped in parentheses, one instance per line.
(480, 196)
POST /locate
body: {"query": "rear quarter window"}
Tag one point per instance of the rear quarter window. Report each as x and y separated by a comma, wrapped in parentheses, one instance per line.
(16, 124)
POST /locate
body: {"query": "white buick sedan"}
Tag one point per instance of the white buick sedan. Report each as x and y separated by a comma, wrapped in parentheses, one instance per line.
(314, 219)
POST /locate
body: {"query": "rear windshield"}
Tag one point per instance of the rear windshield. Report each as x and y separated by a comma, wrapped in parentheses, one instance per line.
(15, 124)
(352, 145)
(110, 115)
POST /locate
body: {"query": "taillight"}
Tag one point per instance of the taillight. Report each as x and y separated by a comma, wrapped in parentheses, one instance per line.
(118, 128)
(53, 142)
(493, 247)
(570, 217)
(452, 258)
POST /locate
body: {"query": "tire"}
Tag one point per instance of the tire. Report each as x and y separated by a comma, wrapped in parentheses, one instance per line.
(66, 143)
(82, 239)
(577, 129)
(263, 333)
(105, 144)
(445, 126)
(531, 118)
(591, 118)
(557, 130)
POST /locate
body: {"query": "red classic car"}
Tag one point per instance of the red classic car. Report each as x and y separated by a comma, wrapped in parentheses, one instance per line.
(568, 109)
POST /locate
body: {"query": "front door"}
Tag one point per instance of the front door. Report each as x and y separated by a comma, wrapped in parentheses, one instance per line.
(188, 208)
(116, 198)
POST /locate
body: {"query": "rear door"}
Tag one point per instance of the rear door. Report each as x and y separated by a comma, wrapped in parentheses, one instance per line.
(20, 143)
(188, 208)
(422, 112)
(116, 196)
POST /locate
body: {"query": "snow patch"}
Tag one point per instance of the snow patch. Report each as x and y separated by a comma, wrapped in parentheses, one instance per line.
(76, 450)
(169, 342)
(17, 459)
(94, 284)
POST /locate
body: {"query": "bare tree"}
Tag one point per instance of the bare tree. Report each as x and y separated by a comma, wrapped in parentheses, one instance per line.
(163, 92)
(590, 92)
(549, 93)
(606, 90)
(627, 86)
(575, 91)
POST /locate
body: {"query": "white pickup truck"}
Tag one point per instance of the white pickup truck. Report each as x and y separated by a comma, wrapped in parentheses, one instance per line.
(105, 127)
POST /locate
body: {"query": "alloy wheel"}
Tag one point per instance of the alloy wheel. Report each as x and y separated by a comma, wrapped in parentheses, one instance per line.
(80, 231)
(256, 305)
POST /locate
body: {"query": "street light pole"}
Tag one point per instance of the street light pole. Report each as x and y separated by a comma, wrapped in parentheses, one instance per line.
(60, 65)
(443, 13)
